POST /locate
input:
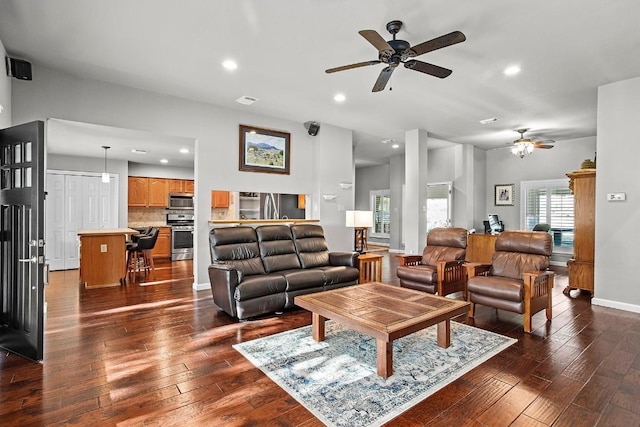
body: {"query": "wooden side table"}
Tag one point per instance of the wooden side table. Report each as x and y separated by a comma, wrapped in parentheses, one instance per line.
(370, 268)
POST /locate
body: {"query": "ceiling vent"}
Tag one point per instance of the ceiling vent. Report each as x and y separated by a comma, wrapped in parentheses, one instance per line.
(246, 100)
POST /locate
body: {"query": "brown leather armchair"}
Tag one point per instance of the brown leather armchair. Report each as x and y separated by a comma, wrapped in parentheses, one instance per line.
(440, 267)
(516, 280)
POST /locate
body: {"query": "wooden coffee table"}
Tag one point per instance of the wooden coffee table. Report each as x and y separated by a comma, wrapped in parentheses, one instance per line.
(383, 312)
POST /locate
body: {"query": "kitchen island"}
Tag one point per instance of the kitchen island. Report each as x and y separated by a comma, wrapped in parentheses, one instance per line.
(103, 256)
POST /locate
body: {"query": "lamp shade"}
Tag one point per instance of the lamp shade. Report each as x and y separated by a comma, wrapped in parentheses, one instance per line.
(359, 219)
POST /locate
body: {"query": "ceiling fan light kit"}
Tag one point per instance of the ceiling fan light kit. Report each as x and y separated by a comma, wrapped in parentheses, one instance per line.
(395, 52)
(524, 146)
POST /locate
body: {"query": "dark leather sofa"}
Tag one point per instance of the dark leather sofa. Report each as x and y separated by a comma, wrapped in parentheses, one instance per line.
(260, 270)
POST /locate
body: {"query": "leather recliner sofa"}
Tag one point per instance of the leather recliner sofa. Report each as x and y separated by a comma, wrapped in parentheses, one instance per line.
(260, 270)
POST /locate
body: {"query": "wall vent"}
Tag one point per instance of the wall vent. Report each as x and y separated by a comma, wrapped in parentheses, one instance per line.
(246, 100)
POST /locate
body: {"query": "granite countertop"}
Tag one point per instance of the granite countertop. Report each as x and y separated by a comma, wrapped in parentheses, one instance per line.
(147, 224)
(105, 231)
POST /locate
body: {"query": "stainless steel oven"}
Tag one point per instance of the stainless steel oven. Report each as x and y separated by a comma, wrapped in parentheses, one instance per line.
(181, 236)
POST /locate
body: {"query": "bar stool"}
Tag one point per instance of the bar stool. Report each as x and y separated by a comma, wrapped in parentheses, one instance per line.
(139, 256)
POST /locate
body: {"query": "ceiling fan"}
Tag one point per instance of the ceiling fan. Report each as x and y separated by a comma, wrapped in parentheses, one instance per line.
(394, 52)
(524, 146)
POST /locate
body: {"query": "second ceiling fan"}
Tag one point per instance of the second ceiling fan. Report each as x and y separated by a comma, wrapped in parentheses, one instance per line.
(523, 146)
(395, 52)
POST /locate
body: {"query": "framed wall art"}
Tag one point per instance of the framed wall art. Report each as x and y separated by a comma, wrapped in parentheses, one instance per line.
(264, 150)
(504, 194)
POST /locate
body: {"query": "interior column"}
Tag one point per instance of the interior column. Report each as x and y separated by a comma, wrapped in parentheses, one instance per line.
(414, 216)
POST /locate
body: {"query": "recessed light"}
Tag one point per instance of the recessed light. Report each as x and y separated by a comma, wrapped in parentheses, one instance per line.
(489, 120)
(395, 146)
(139, 151)
(230, 64)
(339, 97)
(184, 150)
(512, 70)
(164, 161)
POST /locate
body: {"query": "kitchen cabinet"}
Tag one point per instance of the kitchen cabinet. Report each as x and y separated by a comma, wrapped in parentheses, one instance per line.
(158, 194)
(219, 199)
(175, 185)
(162, 248)
(180, 186)
(138, 191)
(154, 192)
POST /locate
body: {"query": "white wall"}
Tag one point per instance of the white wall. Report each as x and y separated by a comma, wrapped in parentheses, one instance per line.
(616, 284)
(462, 165)
(316, 162)
(157, 171)
(5, 93)
(504, 168)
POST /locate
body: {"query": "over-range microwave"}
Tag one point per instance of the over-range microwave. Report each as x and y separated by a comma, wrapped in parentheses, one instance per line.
(180, 201)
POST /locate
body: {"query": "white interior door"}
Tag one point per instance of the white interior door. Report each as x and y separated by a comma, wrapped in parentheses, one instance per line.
(76, 200)
(73, 220)
(108, 203)
(55, 221)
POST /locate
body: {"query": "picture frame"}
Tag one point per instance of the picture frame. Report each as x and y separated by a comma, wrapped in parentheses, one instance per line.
(504, 194)
(264, 150)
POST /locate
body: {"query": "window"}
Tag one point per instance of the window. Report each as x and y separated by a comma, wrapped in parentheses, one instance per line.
(381, 207)
(549, 202)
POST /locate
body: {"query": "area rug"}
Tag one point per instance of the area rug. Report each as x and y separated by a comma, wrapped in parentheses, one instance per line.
(336, 379)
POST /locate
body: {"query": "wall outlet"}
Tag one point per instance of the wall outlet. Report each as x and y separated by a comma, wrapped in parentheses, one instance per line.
(103, 248)
(616, 197)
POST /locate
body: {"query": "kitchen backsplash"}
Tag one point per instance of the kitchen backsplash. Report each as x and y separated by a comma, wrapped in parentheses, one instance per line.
(147, 216)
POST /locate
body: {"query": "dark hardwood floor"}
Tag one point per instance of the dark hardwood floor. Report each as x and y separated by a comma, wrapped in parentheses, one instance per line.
(161, 355)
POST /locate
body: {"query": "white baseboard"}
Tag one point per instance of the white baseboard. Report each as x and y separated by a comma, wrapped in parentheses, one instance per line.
(396, 251)
(616, 304)
(201, 286)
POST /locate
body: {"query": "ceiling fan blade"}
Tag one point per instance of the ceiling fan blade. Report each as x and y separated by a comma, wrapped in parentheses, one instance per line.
(349, 67)
(437, 43)
(377, 41)
(426, 68)
(383, 78)
(545, 146)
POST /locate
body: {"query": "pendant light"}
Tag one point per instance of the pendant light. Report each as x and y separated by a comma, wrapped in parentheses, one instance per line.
(105, 174)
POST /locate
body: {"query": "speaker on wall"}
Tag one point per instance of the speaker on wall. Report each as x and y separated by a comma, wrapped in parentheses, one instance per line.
(312, 128)
(18, 68)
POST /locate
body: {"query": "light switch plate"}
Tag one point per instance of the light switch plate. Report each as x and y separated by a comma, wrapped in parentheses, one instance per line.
(103, 248)
(616, 197)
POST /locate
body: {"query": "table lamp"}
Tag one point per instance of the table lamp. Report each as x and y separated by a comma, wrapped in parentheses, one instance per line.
(360, 221)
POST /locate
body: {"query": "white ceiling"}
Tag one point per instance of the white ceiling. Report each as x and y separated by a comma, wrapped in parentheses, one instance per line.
(69, 137)
(566, 49)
